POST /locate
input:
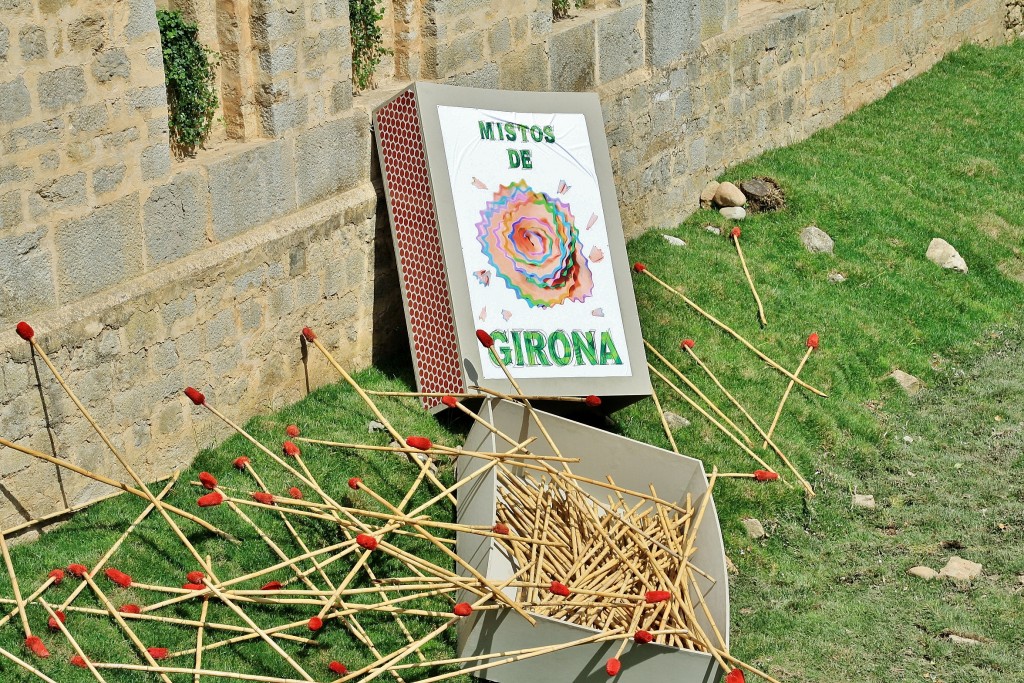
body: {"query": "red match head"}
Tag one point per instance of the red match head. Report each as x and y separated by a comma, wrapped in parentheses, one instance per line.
(560, 589)
(736, 232)
(812, 342)
(193, 586)
(291, 449)
(295, 492)
(643, 636)
(485, 339)
(367, 541)
(211, 499)
(354, 482)
(420, 443)
(118, 577)
(593, 401)
(208, 480)
(52, 623)
(57, 575)
(79, 661)
(158, 653)
(687, 344)
(735, 676)
(449, 401)
(652, 597)
(262, 497)
(130, 609)
(292, 430)
(338, 668)
(241, 462)
(765, 475)
(196, 577)
(613, 666)
(78, 570)
(271, 586)
(500, 528)
(195, 396)
(309, 334)
(315, 624)
(36, 647)
(24, 330)
(463, 609)
(639, 267)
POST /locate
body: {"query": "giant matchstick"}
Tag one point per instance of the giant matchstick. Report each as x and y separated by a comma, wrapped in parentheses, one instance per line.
(735, 236)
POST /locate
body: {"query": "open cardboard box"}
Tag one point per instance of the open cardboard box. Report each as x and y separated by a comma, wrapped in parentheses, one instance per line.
(633, 465)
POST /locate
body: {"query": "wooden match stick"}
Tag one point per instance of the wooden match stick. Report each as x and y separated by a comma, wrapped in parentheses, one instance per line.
(721, 427)
(164, 670)
(812, 344)
(641, 268)
(26, 666)
(664, 421)
(14, 586)
(35, 594)
(116, 484)
(74, 643)
(693, 387)
(735, 235)
(483, 393)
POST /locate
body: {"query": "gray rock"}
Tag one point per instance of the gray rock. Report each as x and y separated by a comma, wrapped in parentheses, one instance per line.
(755, 188)
(959, 569)
(707, 195)
(5, 42)
(961, 640)
(32, 40)
(572, 58)
(15, 101)
(90, 118)
(331, 158)
(733, 213)
(61, 87)
(111, 64)
(247, 191)
(106, 178)
(941, 253)
(101, 249)
(754, 528)
(864, 501)
(676, 421)
(674, 241)
(174, 219)
(620, 45)
(374, 426)
(816, 240)
(836, 278)
(156, 161)
(908, 439)
(62, 193)
(33, 135)
(922, 572)
(714, 230)
(910, 384)
(728, 194)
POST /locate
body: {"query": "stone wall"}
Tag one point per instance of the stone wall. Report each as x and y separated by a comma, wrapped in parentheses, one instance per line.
(144, 273)
(1014, 20)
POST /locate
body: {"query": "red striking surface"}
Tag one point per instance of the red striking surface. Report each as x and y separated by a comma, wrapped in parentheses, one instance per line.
(195, 577)
(367, 541)
(560, 589)
(765, 475)
(315, 624)
(57, 575)
(613, 666)
(78, 661)
(35, 645)
(812, 341)
(118, 577)
(500, 528)
(420, 443)
(735, 676)
(212, 499)
(338, 668)
(688, 343)
(463, 609)
(157, 653)
(271, 586)
(486, 340)
(291, 449)
(593, 401)
(208, 481)
(415, 223)
(78, 570)
(130, 609)
(292, 430)
(643, 636)
(639, 267)
(241, 462)
(195, 396)
(354, 482)
(295, 493)
(308, 333)
(24, 330)
(652, 597)
(736, 232)
(261, 497)
(449, 401)
(193, 586)
(52, 623)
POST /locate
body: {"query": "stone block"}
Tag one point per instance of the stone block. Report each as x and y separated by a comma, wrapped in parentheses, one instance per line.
(107, 178)
(499, 38)
(119, 139)
(331, 158)
(461, 55)
(619, 43)
(61, 88)
(673, 29)
(246, 189)
(13, 174)
(153, 97)
(341, 96)
(15, 101)
(174, 219)
(99, 250)
(141, 19)
(32, 41)
(278, 61)
(11, 214)
(572, 59)
(111, 64)
(63, 193)
(5, 42)
(523, 69)
(485, 77)
(279, 117)
(26, 281)
(155, 161)
(88, 33)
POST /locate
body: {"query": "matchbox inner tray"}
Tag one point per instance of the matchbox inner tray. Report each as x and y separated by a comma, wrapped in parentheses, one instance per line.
(632, 465)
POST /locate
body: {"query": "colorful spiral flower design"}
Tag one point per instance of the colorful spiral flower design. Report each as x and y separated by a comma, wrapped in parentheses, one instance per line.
(532, 241)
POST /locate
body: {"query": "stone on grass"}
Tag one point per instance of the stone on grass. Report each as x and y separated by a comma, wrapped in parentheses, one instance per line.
(836, 278)
(714, 230)
(912, 385)
(962, 640)
(959, 569)
(922, 572)
(754, 528)
(941, 253)
(674, 241)
(1020, 579)
(733, 213)
(374, 426)
(728, 194)
(865, 501)
(755, 187)
(730, 567)
(707, 195)
(816, 240)
(676, 421)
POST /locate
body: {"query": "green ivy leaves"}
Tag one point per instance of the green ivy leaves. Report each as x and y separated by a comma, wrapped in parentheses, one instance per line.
(367, 50)
(190, 77)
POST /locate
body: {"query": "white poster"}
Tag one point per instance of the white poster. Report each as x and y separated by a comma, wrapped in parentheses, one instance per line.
(534, 242)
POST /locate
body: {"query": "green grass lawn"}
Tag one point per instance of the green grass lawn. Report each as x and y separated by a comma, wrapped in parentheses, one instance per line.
(825, 596)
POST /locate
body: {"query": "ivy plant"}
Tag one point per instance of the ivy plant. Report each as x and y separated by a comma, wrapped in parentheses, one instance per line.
(190, 76)
(560, 8)
(367, 40)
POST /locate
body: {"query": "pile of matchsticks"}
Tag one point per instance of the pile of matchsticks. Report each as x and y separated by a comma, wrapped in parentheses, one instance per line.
(327, 548)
